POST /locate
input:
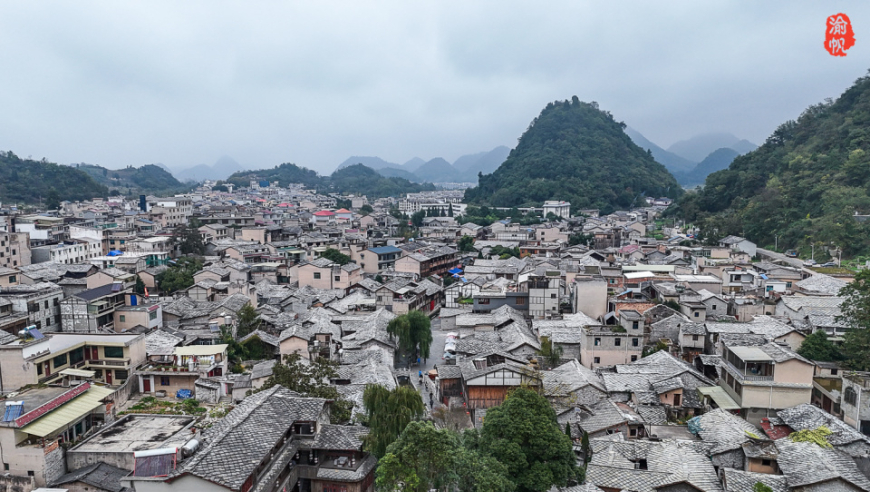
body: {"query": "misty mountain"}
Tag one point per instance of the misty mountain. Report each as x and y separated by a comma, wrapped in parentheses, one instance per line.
(674, 163)
(371, 162)
(700, 146)
(392, 172)
(718, 160)
(437, 170)
(413, 164)
(483, 162)
(223, 168)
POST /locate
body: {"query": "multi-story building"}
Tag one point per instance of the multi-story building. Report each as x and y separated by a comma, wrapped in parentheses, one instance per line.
(376, 260)
(171, 212)
(855, 401)
(41, 303)
(68, 252)
(326, 274)
(14, 249)
(545, 293)
(765, 378)
(428, 262)
(29, 361)
(182, 369)
(93, 310)
(41, 229)
(604, 346)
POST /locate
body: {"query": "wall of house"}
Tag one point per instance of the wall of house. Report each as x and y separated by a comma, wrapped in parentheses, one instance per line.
(307, 277)
(294, 345)
(185, 483)
(756, 465)
(854, 414)
(408, 265)
(774, 397)
(176, 382)
(22, 459)
(486, 396)
(590, 297)
(793, 339)
(608, 352)
(793, 371)
(669, 397)
(15, 372)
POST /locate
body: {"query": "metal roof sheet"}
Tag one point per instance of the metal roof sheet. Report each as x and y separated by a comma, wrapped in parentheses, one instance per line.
(68, 413)
(200, 349)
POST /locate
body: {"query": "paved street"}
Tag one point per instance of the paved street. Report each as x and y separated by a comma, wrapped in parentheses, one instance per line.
(795, 262)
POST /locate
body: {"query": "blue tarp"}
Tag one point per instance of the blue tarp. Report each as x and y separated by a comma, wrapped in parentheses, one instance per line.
(115, 252)
(183, 394)
(455, 270)
(694, 425)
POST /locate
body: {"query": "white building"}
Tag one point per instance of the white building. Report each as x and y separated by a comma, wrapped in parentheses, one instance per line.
(557, 208)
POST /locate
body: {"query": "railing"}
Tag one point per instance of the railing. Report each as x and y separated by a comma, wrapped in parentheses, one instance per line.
(747, 377)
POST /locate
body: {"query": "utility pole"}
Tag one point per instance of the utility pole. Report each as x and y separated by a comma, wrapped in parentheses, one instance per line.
(776, 243)
(813, 254)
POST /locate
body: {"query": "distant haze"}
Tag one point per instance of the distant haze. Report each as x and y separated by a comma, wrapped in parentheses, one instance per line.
(184, 83)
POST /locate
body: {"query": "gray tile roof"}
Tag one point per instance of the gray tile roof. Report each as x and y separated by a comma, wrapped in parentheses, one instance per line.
(100, 475)
(806, 416)
(744, 481)
(160, 342)
(724, 431)
(235, 445)
(805, 463)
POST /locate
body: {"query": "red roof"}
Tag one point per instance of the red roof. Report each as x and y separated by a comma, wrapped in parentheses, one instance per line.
(324, 213)
(343, 211)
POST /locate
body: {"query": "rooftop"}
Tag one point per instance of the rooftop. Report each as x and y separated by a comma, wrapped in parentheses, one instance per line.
(139, 432)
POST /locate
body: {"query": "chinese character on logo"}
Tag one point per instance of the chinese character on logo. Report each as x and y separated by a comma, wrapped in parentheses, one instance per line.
(839, 36)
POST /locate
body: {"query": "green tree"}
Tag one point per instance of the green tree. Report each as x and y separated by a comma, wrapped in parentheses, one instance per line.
(466, 244)
(366, 209)
(421, 459)
(417, 218)
(249, 321)
(856, 349)
(52, 200)
(414, 333)
(523, 434)
(816, 346)
(856, 305)
(180, 275)
(388, 413)
(450, 211)
(312, 380)
(552, 354)
(479, 472)
(336, 256)
(140, 286)
(188, 239)
(379, 279)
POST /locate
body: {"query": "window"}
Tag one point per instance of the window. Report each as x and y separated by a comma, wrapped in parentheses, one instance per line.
(633, 358)
(152, 315)
(634, 325)
(77, 355)
(316, 275)
(850, 396)
(113, 352)
(634, 342)
(552, 296)
(120, 374)
(11, 280)
(765, 462)
(521, 301)
(483, 301)
(694, 338)
(697, 314)
(6, 466)
(123, 319)
(337, 278)
(597, 341)
(164, 380)
(617, 341)
(714, 307)
(833, 372)
(58, 361)
(46, 304)
(30, 473)
(597, 360)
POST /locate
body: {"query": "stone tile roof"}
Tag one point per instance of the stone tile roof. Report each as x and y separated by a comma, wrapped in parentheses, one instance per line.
(724, 431)
(235, 445)
(821, 284)
(571, 377)
(668, 462)
(806, 416)
(805, 464)
(161, 342)
(604, 415)
(100, 475)
(744, 481)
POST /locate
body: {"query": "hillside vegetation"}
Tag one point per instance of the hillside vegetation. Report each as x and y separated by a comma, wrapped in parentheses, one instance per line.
(34, 182)
(147, 179)
(804, 184)
(357, 179)
(573, 151)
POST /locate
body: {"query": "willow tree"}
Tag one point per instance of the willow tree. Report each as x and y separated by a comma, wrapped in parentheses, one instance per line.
(414, 333)
(388, 413)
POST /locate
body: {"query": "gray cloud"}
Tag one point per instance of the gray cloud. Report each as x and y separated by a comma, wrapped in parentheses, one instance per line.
(118, 83)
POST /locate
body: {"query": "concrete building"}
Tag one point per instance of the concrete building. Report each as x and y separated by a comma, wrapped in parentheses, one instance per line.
(67, 252)
(376, 260)
(41, 303)
(14, 249)
(604, 346)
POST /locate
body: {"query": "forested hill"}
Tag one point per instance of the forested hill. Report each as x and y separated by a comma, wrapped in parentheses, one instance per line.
(356, 179)
(573, 151)
(31, 182)
(147, 179)
(804, 184)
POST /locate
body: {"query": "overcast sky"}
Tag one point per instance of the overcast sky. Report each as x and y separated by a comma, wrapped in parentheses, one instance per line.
(182, 83)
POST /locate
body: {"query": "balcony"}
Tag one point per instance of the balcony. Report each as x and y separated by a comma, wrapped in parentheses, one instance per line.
(746, 376)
